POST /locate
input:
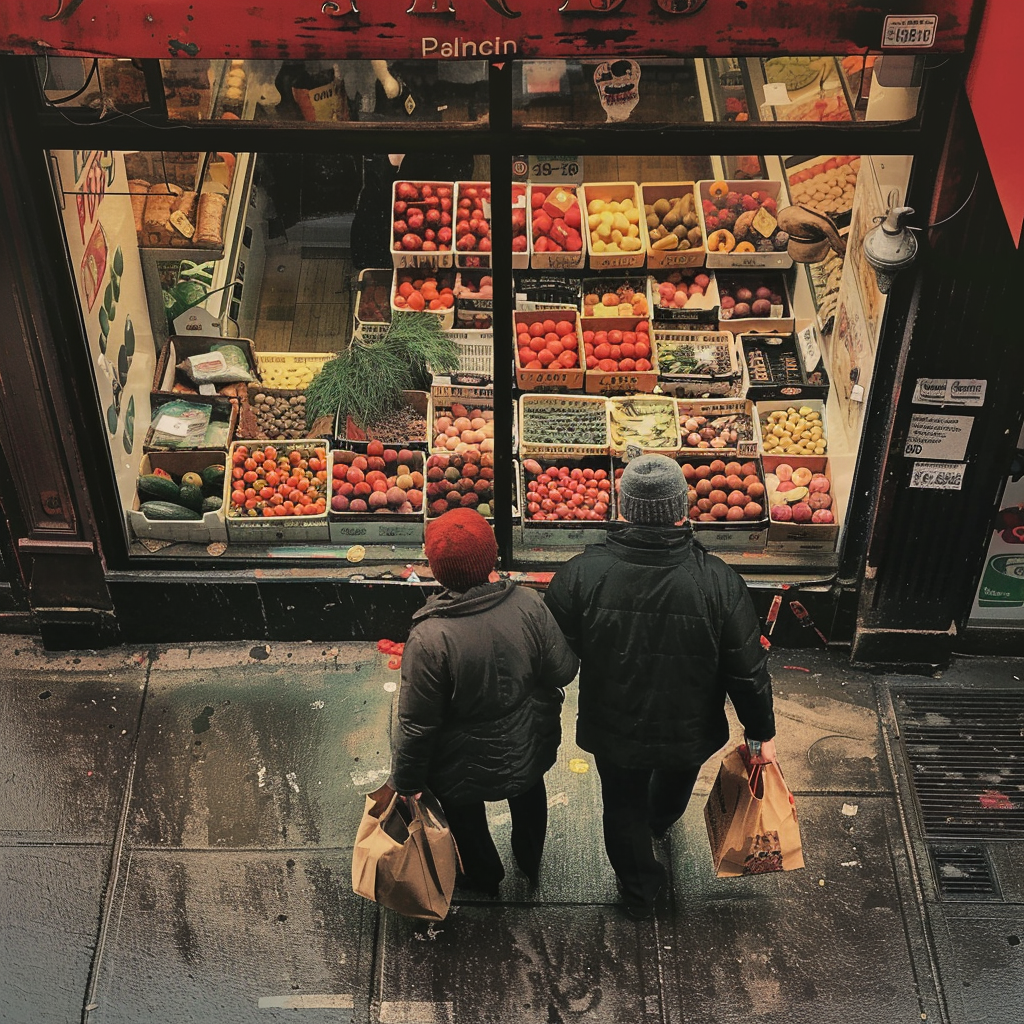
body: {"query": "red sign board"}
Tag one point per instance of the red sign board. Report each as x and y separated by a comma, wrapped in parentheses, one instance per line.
(481, 29)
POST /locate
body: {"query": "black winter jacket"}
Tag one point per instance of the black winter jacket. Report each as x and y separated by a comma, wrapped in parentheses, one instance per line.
(665, 631)
(479, 715)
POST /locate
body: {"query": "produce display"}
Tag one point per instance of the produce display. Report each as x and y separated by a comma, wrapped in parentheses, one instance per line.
(463, 480)
(189, 496)
(799, 495)
(557, 492)
(402, 424)
(715, 432)
(474, 296)
(288, 374)
(460, 430)
(683, 289)
(472, 218)
(419, 292)
(422, 216)
(549, 344)
(793, 431)
(519, 239)
(280, 417)
(724, 491)
(753, 298)
(614, 226)
(618, 351)
(648, 423)
(557, 219)
(375, 297)
(740, 221)
(827, 186)
(686, 353)
(562, 422)
(267, 482)
(384, 480)
(673, 223)
(624, 300)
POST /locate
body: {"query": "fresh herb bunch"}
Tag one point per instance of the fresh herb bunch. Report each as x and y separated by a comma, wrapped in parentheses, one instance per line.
(366, 381)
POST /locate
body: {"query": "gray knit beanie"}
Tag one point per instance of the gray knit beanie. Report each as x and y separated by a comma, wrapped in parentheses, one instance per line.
(653, 490)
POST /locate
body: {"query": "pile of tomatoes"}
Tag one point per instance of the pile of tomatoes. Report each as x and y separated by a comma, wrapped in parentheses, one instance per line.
(566, 492)
(547, 344)
(266, 482)
(618, 351)
(419, 293)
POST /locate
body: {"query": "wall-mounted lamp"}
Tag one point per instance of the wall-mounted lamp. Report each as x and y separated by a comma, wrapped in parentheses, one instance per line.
(891, 245)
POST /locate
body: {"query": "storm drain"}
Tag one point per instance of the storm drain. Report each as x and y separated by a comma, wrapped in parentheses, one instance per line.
(966, 758)
(963, 873)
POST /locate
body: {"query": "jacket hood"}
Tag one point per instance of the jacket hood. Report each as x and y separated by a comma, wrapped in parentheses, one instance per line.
(451, 604)
(652, 545)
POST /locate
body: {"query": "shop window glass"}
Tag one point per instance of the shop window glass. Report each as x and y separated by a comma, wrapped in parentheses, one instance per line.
(100, 85)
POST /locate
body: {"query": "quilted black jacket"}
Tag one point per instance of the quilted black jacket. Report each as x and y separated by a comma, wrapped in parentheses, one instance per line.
(480, 706)
(664, 631)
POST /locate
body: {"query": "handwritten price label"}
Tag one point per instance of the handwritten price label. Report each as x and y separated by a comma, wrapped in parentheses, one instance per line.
(938, 476)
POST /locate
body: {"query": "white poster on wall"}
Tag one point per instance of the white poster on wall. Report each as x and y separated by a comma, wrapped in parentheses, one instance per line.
(103, 251)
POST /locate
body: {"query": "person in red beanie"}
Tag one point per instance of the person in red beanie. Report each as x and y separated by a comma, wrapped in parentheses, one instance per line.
(479, 713)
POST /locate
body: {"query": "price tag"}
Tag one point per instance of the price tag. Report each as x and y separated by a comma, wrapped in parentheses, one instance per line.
(554, 169)
(776, 94)
(172, 425)
(900, 31)
(764, 222)
(810, 350)
(938, 476)
(633, 451)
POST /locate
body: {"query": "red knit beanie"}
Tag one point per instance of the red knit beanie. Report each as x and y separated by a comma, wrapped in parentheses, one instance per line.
(461, 548)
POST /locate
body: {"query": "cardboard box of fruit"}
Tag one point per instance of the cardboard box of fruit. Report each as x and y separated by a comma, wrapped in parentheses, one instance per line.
(405, 427)
(548, 351)
(472, 230)
(460, 480)
(372, 314)
(462, 419)
(685, 298)
(520, 228)
(791, 427)
(672, 217)
(281, 497)
(616, 230)
(620, 355)
(557, 232)
(801, 504)
(569, 500)
(738, 219)
(290, 369)
(698, 364)
(422, 224)
(563, 426)
(425, 290)
(727, 503)
(725, 428)
(377, 494)
(615, 295)
(754, 301)
(195, 469)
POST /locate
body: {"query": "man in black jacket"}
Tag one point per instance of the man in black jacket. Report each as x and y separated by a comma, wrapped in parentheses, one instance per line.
(665, 632)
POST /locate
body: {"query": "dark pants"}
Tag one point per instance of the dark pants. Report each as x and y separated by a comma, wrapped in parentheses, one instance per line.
(637, 802)
(480, 861)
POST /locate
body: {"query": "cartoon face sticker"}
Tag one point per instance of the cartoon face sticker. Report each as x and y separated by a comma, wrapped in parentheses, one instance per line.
(618, 84)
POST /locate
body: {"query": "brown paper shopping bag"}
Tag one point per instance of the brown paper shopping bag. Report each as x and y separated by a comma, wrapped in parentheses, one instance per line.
(751, 820)
(405, 856)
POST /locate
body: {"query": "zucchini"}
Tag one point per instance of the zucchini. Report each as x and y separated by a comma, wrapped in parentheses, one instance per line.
(157, 487)
(190, 496)
(213, 479)
(168, 510)
(212, 504)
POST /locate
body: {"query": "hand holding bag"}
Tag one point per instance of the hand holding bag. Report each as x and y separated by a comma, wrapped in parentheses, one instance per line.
(751, 820)
(405, 856)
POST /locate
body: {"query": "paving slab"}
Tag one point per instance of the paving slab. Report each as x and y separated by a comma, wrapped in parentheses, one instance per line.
(825, 943)
(49, 921)
(266, 746)
(68, 724)
(229, 938)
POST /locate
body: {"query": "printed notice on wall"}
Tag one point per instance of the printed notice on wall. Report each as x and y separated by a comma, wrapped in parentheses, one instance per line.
(938, 476)
(933, 436)
(949, 391)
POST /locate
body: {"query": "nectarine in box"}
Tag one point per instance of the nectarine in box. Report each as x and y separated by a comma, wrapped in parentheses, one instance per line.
(683, 297)
(382, 520)
(551, 340)
(614, 224)
(727, 502)
(791, 535)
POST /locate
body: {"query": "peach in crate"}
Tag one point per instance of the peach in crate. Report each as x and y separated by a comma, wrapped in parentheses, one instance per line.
(384, 480)
(724, 492)
(424, 291)
(459, 429)
(460, 480)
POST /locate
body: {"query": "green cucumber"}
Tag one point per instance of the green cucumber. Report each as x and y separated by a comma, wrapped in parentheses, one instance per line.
(213, 504)
(168, 510)
(158, 487)
(190, 496)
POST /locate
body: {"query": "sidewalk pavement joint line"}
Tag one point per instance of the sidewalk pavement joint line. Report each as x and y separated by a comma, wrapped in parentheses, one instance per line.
(114, 876)
(341, 1001)
(405, 1012)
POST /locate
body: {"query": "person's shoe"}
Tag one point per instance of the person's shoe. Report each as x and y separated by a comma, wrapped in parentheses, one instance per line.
(469, 887)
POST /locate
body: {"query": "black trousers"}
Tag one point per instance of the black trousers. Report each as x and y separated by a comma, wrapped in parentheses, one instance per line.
(481, 864)
(637, 803)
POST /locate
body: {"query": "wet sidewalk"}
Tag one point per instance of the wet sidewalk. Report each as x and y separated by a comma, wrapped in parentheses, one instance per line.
(176, 829)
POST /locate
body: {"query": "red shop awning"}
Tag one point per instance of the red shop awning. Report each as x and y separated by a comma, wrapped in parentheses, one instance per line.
(994, 88)
(403, 29)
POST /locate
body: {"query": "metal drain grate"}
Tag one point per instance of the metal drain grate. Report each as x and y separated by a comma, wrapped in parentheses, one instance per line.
(966, 755)
(964, 873)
